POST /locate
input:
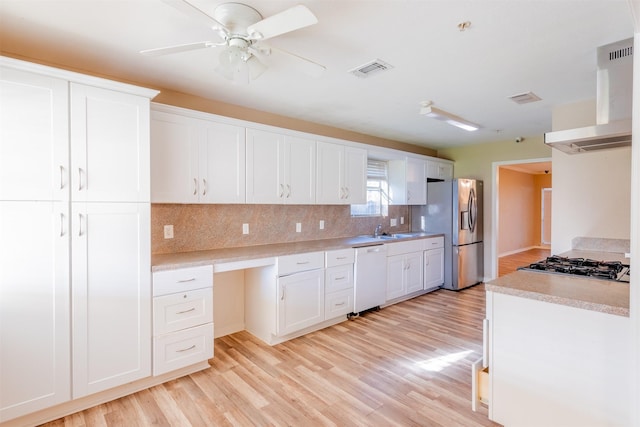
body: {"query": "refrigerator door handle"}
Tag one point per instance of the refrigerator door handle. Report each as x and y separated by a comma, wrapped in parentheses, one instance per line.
(473, 210)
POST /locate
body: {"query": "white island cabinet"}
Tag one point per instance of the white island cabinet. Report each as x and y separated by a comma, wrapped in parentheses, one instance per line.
(556, 365)
(74, 209)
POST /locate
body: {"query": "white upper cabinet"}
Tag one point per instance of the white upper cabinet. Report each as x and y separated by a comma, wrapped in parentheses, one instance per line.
(342, 174)
(407, 181)
(439, 170)
(34, 136)
(109, 145)
(196, 160)
(280, 168)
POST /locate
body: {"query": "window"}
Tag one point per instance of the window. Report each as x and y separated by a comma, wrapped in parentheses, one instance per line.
(377, 191)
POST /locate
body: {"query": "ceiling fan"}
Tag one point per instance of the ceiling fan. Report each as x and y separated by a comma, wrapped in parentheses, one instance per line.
(242, 29)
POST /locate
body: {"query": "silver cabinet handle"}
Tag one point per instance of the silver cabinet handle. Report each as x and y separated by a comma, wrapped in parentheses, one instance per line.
(282, 296)
(80, 216)
(204, 185)
(61, 177)
(61, 224)
(195, 186)
(79, 179)
(281, 190)
(186, 349)
(340, 278)
(341, 257)
(186, 311)
(302, 262)
(288, 191)
(346, 189)
(340, 304)
(187, 280)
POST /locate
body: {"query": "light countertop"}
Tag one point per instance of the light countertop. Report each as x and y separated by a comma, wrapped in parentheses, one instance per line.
(161, 262)
(605, 296)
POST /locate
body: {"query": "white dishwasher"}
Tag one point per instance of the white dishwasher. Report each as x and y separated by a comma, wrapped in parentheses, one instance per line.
(370, 278)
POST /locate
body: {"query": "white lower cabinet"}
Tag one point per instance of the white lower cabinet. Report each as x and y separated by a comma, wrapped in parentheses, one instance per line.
(434, 263)
(404, 269)
(35, 320)
(300, 302)
(182, 318)
(111, 298)
(339, 287)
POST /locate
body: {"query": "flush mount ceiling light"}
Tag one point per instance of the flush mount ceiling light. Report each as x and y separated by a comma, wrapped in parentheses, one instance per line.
(427, 109)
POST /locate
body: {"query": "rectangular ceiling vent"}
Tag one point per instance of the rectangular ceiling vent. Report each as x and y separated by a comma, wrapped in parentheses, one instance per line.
(525, 98)
(371, 68)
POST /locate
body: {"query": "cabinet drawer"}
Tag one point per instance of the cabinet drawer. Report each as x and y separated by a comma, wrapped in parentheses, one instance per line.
(182, 310)
(182, 280)
(338, 278)
(340, 257)
(434, 243)
(300, 262)
(183, 348)
(397, 248)
(338, 304)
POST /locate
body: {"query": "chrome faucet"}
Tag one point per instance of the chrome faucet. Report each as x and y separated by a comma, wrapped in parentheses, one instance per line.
(377, 231)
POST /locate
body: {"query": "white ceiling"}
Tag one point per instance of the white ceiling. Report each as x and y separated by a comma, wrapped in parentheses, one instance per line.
(512, 46)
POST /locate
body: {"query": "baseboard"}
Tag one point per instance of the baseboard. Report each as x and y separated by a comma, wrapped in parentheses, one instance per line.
(517, 251)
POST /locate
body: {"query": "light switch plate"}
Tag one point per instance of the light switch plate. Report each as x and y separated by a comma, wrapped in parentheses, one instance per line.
(322, 224)
(394, 222)
(298, 227)
(245, 228)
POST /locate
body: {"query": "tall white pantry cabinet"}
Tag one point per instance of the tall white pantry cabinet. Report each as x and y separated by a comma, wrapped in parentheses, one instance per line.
(75, 291)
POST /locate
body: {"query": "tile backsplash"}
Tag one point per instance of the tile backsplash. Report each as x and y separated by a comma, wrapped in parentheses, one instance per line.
(203, 227)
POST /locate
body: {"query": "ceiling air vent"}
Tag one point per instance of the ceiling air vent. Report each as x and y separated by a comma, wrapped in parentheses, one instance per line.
(371, 68)
(525, 98)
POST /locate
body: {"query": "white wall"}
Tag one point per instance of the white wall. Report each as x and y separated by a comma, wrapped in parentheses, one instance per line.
(591, 196)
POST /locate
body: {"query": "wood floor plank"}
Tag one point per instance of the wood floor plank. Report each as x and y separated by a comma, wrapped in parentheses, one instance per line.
(407, 364)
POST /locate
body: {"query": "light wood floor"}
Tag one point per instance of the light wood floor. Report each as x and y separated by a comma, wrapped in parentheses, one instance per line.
(407, 365)
(510, 263)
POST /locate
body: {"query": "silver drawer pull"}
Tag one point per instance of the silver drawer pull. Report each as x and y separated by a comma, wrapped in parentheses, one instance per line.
(186, 349)
(187, 280)
(302, 262)
(340, 304)
(341, 257)
(186, 311)
(340, 278)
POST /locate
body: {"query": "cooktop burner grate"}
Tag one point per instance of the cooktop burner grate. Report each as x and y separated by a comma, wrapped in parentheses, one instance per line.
(610, 270)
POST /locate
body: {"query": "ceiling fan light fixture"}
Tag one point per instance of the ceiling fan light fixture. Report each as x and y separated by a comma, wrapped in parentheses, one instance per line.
(427, 109)
(238, 65)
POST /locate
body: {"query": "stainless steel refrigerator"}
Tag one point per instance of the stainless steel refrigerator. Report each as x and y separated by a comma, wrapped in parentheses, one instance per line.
(454, 208)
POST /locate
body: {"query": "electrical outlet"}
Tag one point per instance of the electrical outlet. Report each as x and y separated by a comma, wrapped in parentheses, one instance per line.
(298, 227)
(168, 231)
(394, 222)
(322, 224)
(401, 220)
(245, 228)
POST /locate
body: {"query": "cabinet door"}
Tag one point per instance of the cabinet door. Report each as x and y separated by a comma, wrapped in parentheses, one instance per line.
(264, 165)
(395, 277)
(300, 301)
(34, 307)
(222, 163)
(413, 272)
(109, 145)
(34, 137)
(174, 159)
(330, 174)
(111, 298)
(355, 175)
(416, 182)
(300, 171)
(433, 268)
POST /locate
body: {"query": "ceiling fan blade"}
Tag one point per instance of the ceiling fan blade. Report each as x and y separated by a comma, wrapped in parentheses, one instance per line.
(177, 48)
(190, 10)
(307, 66)
(289, 20)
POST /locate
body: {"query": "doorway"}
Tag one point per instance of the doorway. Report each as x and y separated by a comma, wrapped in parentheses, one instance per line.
(516, 208)
(545, 216)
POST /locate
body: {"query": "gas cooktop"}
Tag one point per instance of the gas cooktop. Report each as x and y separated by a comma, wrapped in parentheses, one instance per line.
(607, 270)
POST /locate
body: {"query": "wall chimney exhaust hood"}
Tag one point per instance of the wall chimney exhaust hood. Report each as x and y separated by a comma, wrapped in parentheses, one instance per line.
(613, 105)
